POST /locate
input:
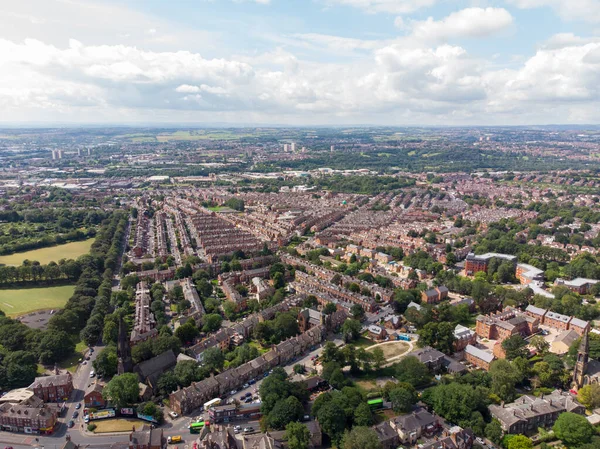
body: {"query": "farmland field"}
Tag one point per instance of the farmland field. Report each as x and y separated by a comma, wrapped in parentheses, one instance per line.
(54, 253)
(19, 301)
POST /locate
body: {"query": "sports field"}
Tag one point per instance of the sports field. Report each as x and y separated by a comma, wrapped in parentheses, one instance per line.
(19, 301)
(54, 253)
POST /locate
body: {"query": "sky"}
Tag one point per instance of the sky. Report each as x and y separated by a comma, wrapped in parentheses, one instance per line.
(300, 62)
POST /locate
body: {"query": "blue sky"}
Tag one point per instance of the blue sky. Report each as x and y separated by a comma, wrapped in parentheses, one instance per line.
(380, 62)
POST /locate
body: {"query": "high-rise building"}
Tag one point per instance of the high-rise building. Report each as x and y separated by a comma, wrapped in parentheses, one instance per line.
(285, 147)
(79, 152)
(332, 148)
(293, 147)
(89, 151)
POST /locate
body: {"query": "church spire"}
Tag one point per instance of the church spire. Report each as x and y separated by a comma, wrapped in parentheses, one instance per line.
(581, 365)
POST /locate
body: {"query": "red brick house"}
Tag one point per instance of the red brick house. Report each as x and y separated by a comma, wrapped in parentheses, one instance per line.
(55, 388)
(93, 398)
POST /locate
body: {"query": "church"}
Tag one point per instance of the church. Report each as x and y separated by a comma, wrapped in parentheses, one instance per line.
(586, 371)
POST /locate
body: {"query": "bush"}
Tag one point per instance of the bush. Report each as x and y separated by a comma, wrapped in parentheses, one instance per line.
(91, 427)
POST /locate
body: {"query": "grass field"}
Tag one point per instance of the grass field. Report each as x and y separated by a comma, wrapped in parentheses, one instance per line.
(393, 349)
(15, 302)
(72, 362)
(54, 253)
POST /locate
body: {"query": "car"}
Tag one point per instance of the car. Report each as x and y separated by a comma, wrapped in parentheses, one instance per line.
(237, 428)
(84, 362)
(92, 373)
(71, 423)
(173, 415)
(306, 418)
(86, 418)
(248, 394)
(246, 386)
(248, 400)
(265, 375)
(174, 439)
(87, 357)
(251, 381)
(232, 392)
(91, 349)
(248, 429)
(78, 406)
(480, 441)
(75, 414)
(230, 401)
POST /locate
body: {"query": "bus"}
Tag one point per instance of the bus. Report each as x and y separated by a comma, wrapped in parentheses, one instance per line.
(196, 427)
(212, 403)
(375, 404)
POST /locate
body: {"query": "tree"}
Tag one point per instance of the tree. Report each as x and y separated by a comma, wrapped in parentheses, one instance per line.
(285, 412)
(514, 347)
(574, 430)
(493, 431)
(186, 372)
(540, 344)
(297, 435)
(351, 330)
(504, 378)
(360, 438)
(106, 362)
(438, 335)
(213, 358)
(518, 442)
(378, 357)
(167, 383)
(55, 346)
(329, 308)
(412, 371)
(278, 281)
(229, 309)
(332, 419)
(151, 409)
(363, 415)
(357, 312)
(402, 399)
(211, 322)
(187, 332)
(122, 390)
(589, 396)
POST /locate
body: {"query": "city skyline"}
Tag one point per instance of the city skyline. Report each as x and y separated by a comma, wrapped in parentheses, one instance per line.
(321, 62)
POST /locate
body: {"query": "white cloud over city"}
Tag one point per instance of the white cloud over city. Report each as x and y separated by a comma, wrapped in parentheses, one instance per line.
(425, 73)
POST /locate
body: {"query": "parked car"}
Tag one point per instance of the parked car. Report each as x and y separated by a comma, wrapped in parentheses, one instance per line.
(71, 423)
(480, 441)
(246, 386)
(248, 429)
(174, 439)
(78, 406)
(75, 414)
(252, 381)
(248, 400)
(232, 392)
(173, 415)
(92, 373)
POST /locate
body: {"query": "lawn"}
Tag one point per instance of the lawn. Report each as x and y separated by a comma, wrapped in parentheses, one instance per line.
(393, 349)
(72, 362)
(117, 425)
(54, 253)
(15, 302)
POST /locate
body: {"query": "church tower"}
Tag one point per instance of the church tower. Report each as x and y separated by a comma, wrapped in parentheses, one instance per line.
(581, 364)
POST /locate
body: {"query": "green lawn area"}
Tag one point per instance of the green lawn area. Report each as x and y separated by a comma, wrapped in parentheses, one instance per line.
(19, 301)
(72, 362)
(363, 342)
(54, 253)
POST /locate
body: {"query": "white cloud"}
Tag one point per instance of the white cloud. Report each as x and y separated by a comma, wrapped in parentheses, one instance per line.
(385, 6)
(582, 10)
(469, 22)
